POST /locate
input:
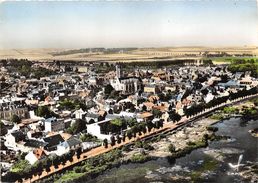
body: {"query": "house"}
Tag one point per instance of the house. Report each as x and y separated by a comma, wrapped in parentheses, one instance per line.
(93, 118)
(146, 116)
(148, 105)
(35, 155)
(95, 129)
(52, 142)
(53, 124)
(150, 89)
(82, 69)
(170, 88)
(71, 143)
(34, 134)
(13, 138)
(79, 114)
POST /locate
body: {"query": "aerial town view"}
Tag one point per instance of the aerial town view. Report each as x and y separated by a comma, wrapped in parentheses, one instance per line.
(129, 91)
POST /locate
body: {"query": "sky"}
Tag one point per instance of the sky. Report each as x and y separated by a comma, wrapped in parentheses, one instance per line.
(128, 24)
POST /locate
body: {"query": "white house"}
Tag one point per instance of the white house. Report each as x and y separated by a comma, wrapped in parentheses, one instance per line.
(71, 143)
(35, 155)
(79, 114)
(209, 97)
(53, 124)
(95, 129)
(11, 139)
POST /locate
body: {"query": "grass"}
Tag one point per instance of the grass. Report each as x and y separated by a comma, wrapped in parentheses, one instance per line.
(139, 158)
(229, 59)
(69, 177)
(208, 165)
(20, 166)
(217, 116)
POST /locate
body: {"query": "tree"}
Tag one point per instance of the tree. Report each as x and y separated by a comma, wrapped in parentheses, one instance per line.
(150, 125)
(171, 148)
(43, 111)
(78, 126)
(15, 118)
(123, 136)
(79, 152)
(174, 116)
(129, 134)
(70, 155)
(157, 113)
(105, 143)
(144, 108)
(118, 139)
(56, 160)
(47, 163)
(108, 89)
(113, 141)
(134, 131)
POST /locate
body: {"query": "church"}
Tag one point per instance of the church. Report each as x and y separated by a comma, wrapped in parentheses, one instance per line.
(127, 85)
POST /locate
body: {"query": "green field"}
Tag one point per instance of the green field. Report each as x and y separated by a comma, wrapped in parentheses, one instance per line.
(230, 59)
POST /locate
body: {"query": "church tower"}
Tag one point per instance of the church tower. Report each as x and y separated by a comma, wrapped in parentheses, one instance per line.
(118, 71)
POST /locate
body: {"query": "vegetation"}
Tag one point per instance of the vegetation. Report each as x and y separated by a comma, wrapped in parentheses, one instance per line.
(22, 169)
(143, 144)
(24, 68)
(78, 126)
(230, 110)
(20, 166)
(44, 111)
(217, 116)
(243, 65)
(72, 105)
(171, 148)
(15, 118)
(208, 165)
(212, 128)
(91, 167)
(191, 146)
(105, 143)
(139, 158)
(250, 113)
(195, 109)
(86, 137)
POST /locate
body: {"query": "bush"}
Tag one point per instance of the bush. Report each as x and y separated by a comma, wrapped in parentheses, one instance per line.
(139, 158)
(212, 128)
(171, 148)
(15, 118)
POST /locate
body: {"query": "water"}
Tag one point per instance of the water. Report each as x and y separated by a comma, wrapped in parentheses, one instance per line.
(202, 165)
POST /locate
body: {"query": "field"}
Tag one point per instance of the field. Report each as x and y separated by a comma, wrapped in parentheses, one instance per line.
(134, 55)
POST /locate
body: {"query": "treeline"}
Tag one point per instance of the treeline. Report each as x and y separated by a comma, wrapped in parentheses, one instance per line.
(24, 68)
(195, 109)
(155, 64)
(242, 65)
(89, 50)
(88, 168)
(36, 169)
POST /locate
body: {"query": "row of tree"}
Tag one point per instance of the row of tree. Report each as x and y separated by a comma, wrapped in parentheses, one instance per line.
(195, 109)
(41, 165)
(138, 128)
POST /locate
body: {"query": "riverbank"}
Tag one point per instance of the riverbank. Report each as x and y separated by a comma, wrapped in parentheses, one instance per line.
(153, 148)
(156, 147)
(208, 164)
(180, 140)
